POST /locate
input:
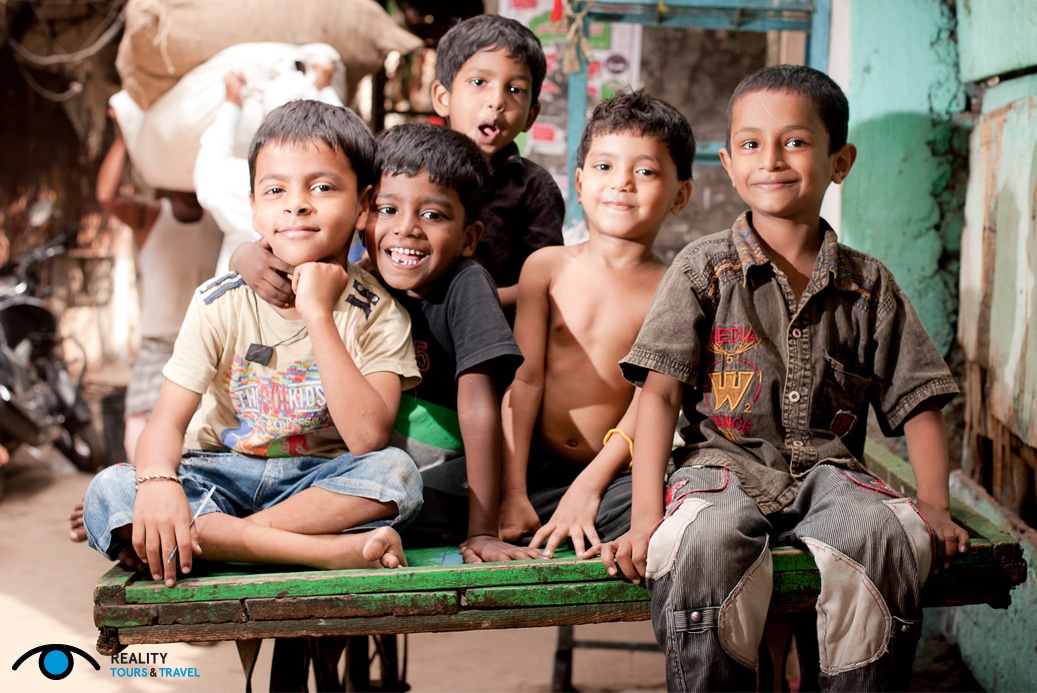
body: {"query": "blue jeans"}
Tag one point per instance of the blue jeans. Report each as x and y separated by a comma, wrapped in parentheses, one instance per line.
(245, 485)
(710, 578)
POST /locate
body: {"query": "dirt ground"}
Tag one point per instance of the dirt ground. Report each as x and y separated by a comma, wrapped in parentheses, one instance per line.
(46, 585)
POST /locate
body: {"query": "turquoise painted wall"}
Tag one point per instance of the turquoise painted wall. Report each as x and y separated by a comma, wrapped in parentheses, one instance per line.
(903, 199)
(999, 646)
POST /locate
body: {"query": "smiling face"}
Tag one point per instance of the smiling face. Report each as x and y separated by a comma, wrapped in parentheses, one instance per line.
(417, 231)
(779, 161)
(489, 100)
(628, 185)
(305, 202)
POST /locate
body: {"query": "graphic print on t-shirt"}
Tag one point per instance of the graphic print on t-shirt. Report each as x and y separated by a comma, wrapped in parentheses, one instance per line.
(277, 410)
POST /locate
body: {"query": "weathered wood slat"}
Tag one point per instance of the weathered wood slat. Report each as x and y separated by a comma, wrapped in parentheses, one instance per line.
(475, 619)
(362, 581)
(397, 604)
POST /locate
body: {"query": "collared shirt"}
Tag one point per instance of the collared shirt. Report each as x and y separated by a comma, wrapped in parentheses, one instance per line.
(773, 388)
(525, 212)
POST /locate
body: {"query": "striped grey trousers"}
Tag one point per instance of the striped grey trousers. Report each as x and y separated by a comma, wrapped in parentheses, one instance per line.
(710, 578)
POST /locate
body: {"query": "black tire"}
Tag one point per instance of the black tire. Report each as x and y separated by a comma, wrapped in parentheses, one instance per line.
(83, 446)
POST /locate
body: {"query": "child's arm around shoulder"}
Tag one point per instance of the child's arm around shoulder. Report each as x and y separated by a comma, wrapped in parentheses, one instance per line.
(363, 407)
(926, 434)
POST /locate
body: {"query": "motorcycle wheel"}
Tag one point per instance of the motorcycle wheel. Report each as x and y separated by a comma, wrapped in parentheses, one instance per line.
(83, 446)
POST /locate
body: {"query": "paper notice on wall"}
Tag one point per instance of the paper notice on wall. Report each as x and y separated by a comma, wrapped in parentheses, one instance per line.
(614, 65)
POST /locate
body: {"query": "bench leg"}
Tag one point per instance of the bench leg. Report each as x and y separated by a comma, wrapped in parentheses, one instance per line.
(248, 653)
(562, 676)
(290, 667)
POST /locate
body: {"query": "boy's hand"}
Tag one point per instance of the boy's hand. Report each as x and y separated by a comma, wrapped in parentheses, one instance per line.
(950, 538)
(322, 73)
(317, 287)
(628, 554)
(516, 517)
(235, 82)
(161, 522)
(482, 548)
(574, 517)
(264, 272)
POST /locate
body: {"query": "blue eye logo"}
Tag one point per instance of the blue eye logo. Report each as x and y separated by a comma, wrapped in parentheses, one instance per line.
(56, 660)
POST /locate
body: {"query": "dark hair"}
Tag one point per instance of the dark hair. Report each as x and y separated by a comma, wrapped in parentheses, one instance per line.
(638, 113)
(829, 100)
(313, 121)
(490, 32)
(450, 159)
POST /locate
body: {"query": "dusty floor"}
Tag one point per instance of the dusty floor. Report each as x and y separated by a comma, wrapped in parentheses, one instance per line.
(46, 585)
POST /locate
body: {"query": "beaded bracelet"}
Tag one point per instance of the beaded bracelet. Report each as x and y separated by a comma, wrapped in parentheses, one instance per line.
(153, 477)
(624, 436)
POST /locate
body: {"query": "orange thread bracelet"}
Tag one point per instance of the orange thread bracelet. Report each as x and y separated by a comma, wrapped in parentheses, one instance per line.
(624, 436)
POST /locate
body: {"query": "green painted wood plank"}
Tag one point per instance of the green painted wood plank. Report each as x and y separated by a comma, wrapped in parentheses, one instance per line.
(397, 604)
(489, 619)
(553, 595)
(898, 474)
(327, 582)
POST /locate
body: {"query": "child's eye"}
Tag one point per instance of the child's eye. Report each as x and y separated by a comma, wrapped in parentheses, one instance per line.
(750, 145)
(386, 210)
(602, 167)
(323, 187)
(273, 191)
(478, 81)
(796, 142)
(645, 172)
(433, 215)
(516, 90)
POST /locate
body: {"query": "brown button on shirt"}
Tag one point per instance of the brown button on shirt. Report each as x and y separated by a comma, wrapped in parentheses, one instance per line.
(773, 388)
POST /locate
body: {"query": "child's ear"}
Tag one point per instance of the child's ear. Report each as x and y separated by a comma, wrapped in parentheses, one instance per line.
(578, 185)
(252, 206)
(682, 198)
(364, 207)
(534, 111)
(842, 162)
(440, 99)
(725, 159)
(472, 234)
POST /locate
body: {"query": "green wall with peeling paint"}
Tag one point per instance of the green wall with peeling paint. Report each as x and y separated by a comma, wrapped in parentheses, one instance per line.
(905, 202)
(903, 199)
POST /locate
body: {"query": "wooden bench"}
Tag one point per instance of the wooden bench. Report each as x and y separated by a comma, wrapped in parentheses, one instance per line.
(437, 593)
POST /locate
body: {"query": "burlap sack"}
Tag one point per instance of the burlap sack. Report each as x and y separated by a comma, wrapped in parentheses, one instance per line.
(163, 141)
(164, 39)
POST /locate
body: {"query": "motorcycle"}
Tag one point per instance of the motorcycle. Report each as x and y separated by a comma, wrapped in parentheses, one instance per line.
(40, 403)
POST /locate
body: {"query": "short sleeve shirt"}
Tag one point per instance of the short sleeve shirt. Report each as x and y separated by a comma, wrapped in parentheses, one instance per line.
(457, 326)
(772, 388)
(279, 409)
(525, 212)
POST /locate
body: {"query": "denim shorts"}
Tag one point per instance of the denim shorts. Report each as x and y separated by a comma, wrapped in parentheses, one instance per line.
(245, 485)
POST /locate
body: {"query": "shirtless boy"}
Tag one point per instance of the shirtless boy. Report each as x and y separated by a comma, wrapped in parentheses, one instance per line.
(569, 414)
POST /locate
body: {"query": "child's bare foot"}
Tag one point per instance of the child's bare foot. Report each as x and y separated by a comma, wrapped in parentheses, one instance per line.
(129, 560)
(384, 547)
(78, 529)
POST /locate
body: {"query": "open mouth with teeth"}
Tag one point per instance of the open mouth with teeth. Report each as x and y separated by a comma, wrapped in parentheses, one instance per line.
(406, 257)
